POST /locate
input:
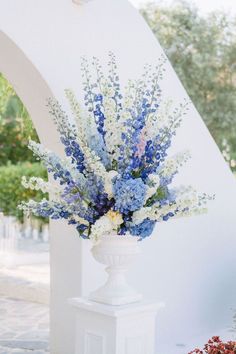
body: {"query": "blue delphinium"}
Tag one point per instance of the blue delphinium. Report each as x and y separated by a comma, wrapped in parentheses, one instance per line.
(96, 143)
(99, 115)
(129, 194)
(67, 135)
(53, 210)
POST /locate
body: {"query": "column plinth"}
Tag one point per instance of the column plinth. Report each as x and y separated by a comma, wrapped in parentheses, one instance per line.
(105, 329)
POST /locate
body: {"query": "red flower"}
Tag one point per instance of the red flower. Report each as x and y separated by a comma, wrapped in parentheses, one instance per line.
(216, 346)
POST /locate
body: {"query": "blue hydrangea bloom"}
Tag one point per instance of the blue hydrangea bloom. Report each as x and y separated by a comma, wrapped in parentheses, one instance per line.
(144, 229)
(129, 194)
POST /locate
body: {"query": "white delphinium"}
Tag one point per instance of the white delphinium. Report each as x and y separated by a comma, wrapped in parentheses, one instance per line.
(39, 184)
(113, 137)
(112, 127)
(172, 164)
(30, 206)
(187, 203)
(154, 183)
(94, 164)
(166, 119)
(81, 126)
(156, 121)
(108, 185)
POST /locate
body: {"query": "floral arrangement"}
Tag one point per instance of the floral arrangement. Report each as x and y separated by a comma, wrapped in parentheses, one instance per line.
(216, 346)
(116, 176)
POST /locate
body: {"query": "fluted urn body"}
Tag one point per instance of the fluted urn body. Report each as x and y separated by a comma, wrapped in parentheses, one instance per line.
(117, 253)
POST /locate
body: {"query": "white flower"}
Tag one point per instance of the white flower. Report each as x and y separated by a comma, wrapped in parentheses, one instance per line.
(111, 124)
(187, 203)
(108, 185)
(107, 224)
(149, 193)
(36, 183)
(157, 121)
(115, 217)
(101, 227)
(172, 164)
(154, 181)
(141, 214)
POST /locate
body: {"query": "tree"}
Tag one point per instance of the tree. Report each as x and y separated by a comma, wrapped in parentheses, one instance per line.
(202, 50)
(15, 158)
(15, 127)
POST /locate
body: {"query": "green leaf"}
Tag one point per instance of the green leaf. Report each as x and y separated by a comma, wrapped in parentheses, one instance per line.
(159, 195)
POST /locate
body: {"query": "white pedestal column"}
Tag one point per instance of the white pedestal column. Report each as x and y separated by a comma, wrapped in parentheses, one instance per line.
(105, 329)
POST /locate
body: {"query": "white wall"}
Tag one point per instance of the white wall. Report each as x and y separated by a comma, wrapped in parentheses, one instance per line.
(189, 264)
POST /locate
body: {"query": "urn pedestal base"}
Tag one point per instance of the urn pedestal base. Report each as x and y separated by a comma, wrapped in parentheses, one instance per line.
(113, 300)
(104, 329)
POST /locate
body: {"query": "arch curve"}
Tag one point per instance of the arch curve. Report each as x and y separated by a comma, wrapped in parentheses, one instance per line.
(30, 86)
(34, 91)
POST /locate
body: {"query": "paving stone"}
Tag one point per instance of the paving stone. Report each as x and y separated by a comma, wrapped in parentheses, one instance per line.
(22, 344)
(24, 327)
(8, 335)
(20, 351)
(37, 334)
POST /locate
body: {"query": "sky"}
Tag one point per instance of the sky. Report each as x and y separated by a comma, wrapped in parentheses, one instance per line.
(203, 5)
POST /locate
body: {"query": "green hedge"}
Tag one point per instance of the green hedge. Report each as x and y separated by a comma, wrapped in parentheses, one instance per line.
(11, 190)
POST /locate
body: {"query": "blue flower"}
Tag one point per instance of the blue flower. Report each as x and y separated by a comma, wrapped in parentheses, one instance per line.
(98, 98)
(96, 143)
(144, 229)
(167, 216)
(64, 214)
(81, 227)
(72, 222)
(82, 230)
(129, 194)
(99, 115)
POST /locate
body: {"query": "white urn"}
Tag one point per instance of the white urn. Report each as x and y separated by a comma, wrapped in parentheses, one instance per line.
(118, 252)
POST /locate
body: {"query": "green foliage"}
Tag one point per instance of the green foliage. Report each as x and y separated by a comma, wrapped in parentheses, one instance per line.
(15, 127)
(12, 192)
(202, 50)
(15, 130)
(159, 195)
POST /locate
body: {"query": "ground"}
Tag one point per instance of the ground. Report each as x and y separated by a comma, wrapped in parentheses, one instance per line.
(24, 327)
(24, 299)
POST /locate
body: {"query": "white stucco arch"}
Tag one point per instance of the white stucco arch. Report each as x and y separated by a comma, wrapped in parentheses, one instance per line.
(34, 91)
(41, 43)
(28, 84)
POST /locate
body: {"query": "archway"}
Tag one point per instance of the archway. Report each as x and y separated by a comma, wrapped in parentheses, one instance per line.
(29, 86)
(33, 90)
